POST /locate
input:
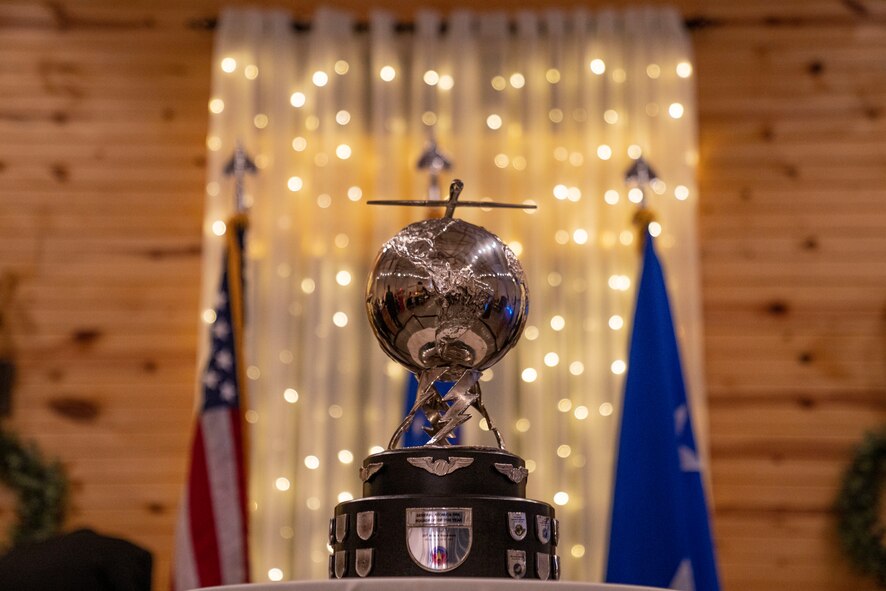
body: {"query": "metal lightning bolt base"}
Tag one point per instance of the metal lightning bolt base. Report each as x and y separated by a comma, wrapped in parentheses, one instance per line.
(446, 299)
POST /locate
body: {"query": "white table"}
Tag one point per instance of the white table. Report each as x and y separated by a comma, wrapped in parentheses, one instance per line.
(430, 584)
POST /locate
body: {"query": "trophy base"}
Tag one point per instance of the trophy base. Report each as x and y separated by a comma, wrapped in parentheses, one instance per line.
(429, 529)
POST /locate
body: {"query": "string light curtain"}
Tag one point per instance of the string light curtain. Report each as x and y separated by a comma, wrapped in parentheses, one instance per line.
(548, 108)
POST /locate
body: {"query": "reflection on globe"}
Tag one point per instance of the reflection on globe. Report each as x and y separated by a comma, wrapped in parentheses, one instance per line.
(445, 293)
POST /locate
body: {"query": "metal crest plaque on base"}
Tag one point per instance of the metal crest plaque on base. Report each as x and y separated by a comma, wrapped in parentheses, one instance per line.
(439, 540)
(446, 299)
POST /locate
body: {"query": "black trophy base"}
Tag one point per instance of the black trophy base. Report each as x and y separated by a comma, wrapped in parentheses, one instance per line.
(429, 529)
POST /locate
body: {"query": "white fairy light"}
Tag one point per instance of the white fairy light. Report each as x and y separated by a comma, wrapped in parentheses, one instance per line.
(387, 73)
(343, 151)
(228, 65)
(343, 278)
(320, 78)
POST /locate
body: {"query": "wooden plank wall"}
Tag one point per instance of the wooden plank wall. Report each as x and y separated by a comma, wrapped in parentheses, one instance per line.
(102, 129)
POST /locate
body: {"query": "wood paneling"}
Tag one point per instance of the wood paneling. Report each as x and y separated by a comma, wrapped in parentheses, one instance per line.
(102, 131)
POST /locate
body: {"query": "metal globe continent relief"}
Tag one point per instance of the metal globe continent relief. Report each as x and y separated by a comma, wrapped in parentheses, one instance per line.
(446, 293)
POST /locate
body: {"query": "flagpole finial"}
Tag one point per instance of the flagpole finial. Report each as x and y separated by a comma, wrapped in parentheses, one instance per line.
(238, 167)
(434, 162)
(640, 175)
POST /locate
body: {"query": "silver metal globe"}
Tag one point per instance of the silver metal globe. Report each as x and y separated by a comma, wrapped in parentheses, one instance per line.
(444, 293)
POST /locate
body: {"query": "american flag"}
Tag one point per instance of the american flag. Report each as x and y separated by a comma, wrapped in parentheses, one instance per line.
(211, 537)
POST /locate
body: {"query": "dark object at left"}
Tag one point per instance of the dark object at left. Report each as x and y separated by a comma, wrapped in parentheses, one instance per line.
(7, 380)
(76, 561)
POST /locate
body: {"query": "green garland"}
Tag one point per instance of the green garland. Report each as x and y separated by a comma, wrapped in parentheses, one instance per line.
(41, 488)
(858, 507)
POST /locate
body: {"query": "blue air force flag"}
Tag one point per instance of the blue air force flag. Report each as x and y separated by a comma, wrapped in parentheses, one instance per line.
(660, 535)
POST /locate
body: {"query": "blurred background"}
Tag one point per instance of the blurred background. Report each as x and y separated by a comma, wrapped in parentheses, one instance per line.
(103, 127)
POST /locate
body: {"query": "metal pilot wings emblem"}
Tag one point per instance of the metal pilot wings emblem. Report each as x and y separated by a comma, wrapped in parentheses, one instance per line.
(514, 473)
(368, 471)
(440, 467)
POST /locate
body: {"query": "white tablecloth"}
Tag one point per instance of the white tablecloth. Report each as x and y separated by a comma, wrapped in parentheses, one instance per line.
(430, 584)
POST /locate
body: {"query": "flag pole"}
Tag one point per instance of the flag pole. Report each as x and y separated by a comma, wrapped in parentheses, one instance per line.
(660, 533)
(211, 539)
(238, 167)
(433, 162)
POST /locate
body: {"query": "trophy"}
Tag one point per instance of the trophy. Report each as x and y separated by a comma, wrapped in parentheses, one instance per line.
(446, 299)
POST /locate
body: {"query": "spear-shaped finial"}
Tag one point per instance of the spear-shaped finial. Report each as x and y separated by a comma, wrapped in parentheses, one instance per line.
(435, 162)
(640, 175)
(239, 166)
